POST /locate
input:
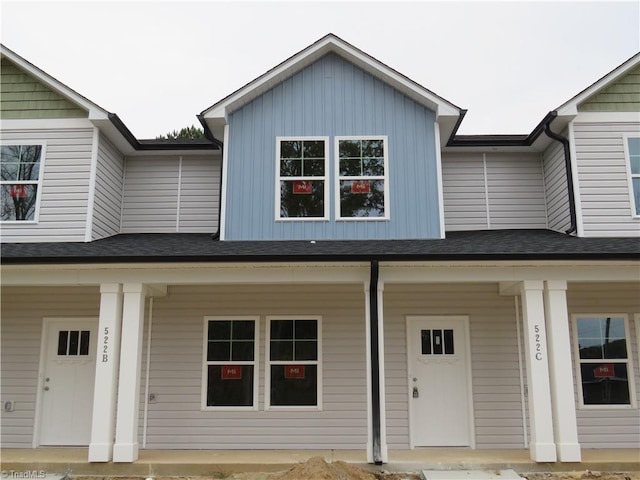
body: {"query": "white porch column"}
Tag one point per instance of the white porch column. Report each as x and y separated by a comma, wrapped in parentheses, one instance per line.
(107, 360)
(542, 447)
(561, 374)
(126, 446)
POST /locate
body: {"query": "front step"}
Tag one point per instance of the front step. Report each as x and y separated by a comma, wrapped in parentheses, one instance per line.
(469, 475)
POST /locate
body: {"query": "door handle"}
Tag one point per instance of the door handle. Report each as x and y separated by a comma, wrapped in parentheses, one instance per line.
(416, 394)
(46, 389)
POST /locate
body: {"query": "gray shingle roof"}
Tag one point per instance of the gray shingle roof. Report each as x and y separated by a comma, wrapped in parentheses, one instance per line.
(197, 247)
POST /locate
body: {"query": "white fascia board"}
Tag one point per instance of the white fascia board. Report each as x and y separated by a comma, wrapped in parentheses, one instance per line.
(312, 53)
(95, 112)
(571, 106)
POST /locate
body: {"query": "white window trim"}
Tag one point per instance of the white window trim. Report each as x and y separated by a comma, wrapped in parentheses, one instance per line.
(628, 361)
(325, 178)
(36, 215)
(268, 363)
(255, 363)
(630, 175)
(338, 177)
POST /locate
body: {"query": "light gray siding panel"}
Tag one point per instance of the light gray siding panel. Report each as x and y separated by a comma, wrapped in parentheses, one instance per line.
(177, 421)
(494, 352)
(22, 312)
(605, 199)
(65, 186)
(108, 194)
(555, 182)
(614, 427)
(165, 194)
(493, 191)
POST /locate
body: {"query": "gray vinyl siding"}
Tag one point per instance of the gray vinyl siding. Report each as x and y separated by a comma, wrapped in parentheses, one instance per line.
(497, 191)
(177, 421)
(606, 201)
(65, 186)
(108, 193)
(497, 402)
(555, 183)
(608, 427)
(162, 196)
(23, 310)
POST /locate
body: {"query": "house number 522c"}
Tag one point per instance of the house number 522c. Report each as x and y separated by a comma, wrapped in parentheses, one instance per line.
(105, 345)
(538, 343)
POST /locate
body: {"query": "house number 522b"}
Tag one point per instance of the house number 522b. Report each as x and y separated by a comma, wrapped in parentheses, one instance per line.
(105, 345)
(538, 343)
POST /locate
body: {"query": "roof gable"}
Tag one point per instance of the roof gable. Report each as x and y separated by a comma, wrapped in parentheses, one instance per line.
(446, 112)
(604, 84)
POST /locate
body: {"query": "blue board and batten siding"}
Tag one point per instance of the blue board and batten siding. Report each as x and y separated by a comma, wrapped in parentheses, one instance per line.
(332, 97)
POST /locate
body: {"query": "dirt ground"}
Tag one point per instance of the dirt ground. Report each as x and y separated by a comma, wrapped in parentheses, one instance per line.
(317, 468)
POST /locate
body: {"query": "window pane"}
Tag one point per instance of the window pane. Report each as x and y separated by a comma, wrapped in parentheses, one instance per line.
(615, 348)
(349, 148)
(299, 389)
(242, 351)
(243, 330)
(601, 338)
(313, 168)
(591, 348)
(350, 167)
(290, 149)
(230, 390)
(448, 342)
(219, 330)
(306, 350)
(84, 342)
(354, 203)
(20, 162)
(281, 350)
(290, 168)
(219, 351)
(426, 342)
(313, 149)
(373, 167)
(299, 198)
(636, 193)
(281, 329)
(63, 340)
(18, 201)
(437, 342)
(372, 148)
(634, 147)
(589, 328)
(306, 329)
(74, 342)
(605, 384)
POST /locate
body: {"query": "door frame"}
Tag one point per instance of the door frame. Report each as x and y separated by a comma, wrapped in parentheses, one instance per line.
(464, 319)
(46, 330)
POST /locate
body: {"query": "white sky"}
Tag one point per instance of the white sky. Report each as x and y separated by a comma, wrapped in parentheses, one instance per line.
(158, 64)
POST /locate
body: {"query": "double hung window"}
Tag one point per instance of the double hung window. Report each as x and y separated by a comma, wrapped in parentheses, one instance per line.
(293, 362)
(301, 178)
(603, 360)
(362, 190)
(21, 176)
(231, 352)
(633, 154)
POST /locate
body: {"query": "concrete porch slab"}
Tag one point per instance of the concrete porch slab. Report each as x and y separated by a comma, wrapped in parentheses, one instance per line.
(470, 475)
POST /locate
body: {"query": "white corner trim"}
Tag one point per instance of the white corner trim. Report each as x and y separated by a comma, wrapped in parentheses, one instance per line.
(438, 151)
(93, 173)
(225, 169)
(179, 193)
(577, 198)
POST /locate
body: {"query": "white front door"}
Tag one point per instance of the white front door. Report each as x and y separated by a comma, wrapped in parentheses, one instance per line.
(439, 387)
(67, 381)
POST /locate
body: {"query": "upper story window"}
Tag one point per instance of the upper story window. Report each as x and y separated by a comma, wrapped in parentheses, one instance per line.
(362, 189)
(301, 178)
(603, 360)
(633, 151)
(21, 167)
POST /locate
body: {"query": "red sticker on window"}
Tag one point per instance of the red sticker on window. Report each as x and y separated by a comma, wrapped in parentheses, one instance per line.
(604, 371)
(360, 186)
(18, 191)
(294, 371)
(302, 187)
(231, 372)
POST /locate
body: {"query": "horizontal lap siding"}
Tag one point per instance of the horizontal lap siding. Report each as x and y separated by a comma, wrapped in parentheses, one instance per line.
(158, 189)
(65, 186)
(494, 358)
(511, 195)
(605, 197)
(176, 420)
(108, 196)
(22, 312)
(608, 427)
(555, 183)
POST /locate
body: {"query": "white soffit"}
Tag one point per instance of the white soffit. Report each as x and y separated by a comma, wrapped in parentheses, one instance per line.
(329, 44)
